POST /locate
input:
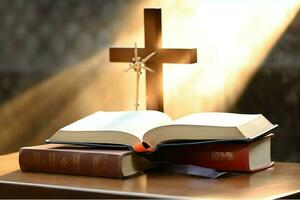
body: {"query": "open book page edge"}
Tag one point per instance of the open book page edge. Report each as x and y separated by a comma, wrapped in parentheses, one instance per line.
(256, 127)
(95, 145)
(262, 134)
(155, 136)
(219, 119)
(234, 134)
(96, 137)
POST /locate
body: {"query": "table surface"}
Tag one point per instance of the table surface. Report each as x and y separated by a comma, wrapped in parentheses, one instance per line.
(281, 180)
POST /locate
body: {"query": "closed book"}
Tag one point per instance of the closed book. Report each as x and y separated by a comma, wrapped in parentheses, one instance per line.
(223, 156)
(67, 159)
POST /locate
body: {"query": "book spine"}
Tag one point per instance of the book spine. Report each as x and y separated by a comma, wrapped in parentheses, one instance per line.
(74, 163)
(223, 157)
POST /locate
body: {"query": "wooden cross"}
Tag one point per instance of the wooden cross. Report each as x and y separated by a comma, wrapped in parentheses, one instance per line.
(153, 43)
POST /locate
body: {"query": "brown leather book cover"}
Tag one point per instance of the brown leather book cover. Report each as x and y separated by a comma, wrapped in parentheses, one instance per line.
(68, 159)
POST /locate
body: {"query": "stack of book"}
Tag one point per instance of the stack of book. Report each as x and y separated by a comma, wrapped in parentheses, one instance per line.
(118, 144)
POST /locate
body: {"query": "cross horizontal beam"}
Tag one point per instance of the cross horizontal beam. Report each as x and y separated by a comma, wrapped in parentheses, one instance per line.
(179, 56)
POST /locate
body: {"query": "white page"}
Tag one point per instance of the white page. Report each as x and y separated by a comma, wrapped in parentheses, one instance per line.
(216, 119)
(134, 122)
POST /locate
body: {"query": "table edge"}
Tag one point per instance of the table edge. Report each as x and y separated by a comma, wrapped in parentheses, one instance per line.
(100, 191)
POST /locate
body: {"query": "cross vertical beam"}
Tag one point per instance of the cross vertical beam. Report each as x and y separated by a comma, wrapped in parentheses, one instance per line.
(154, 81)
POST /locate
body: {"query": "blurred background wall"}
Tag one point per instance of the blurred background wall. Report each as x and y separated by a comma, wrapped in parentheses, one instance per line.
(54, 65)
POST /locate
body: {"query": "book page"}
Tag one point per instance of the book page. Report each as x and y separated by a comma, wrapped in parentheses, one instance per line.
(216, 119)
(134, 122)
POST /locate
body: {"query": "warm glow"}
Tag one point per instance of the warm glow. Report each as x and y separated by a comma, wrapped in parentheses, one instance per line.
(232, 37)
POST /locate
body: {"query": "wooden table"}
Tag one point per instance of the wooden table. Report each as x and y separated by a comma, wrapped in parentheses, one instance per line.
(282, 180)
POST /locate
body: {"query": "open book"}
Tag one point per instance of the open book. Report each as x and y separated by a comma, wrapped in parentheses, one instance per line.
(147, 129)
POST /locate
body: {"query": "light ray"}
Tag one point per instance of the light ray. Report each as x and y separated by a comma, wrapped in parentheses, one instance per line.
(232, 38)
